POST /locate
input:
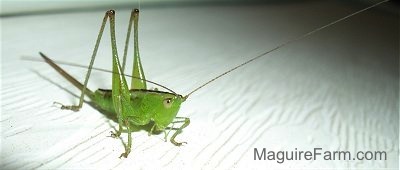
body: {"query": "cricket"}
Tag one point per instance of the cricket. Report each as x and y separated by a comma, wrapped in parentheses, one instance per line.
(137, 105)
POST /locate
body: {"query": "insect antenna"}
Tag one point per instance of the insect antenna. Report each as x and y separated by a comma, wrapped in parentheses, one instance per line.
(284, 44)
(94, 68)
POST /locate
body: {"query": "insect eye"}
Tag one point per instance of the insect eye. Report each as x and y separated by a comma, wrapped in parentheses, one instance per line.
(167, 102)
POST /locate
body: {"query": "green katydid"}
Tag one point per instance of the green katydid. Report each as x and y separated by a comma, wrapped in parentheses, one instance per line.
(135, 106)
(138, 105)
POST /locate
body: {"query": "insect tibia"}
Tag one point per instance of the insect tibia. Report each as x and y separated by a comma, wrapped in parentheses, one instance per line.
(186, 122)
(63, 73)
(137, 64)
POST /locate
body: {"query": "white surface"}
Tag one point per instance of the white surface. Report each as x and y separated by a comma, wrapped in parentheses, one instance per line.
(16, 7)
(337, 89)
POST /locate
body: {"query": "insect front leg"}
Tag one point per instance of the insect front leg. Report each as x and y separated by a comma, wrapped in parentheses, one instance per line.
(185, 122)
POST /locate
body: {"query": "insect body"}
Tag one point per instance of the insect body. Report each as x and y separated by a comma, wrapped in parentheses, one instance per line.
(135, 106)
(138, 105)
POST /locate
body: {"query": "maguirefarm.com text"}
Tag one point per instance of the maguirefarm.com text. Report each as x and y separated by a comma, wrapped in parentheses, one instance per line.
(316, 154)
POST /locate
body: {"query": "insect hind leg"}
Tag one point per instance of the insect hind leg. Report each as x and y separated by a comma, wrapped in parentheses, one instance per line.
(83, 90)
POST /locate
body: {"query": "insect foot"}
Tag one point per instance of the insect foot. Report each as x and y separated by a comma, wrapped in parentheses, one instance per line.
(177, 143)
(125, 155)
(115, 135)
(64, 107)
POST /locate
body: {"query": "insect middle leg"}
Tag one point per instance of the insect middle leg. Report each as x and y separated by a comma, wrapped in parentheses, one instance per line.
(129, 145)
(118, 132)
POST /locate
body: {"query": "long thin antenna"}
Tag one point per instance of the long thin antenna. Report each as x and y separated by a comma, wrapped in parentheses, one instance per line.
(284, 44)
(94, 68)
